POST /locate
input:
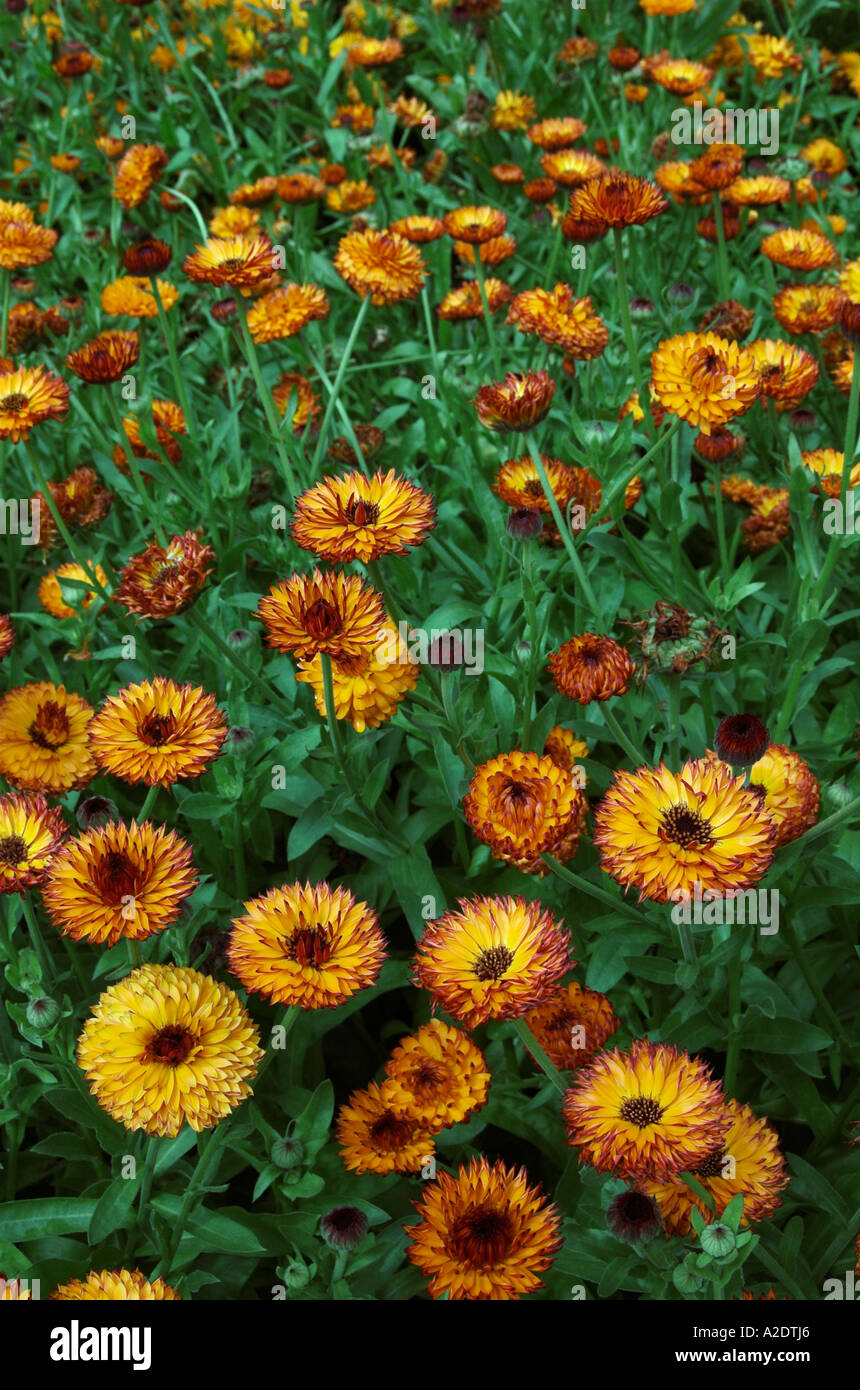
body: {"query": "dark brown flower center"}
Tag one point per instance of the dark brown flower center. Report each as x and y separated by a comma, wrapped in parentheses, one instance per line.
(428, 1076)
(322, 620)
(50, 728)
(492, 963)
(13, 850)
(686, 827)
(362, 513)
(641, 1111)
(390, 1131)
(712, 1166)
(164, 571)
(116, 878)
(170, 1045)
(156, 729)
(482, 1236)
(234, 263)
(15, 402)
(533, 488)
(309, 946)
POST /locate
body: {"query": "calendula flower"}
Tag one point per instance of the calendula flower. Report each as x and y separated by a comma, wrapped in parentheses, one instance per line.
(564, 747)
(116, 1284)
(351, 195)
(828, 466)
(63, 600)
(286, 311)
(118, 881)
(492, 252)
(749, 1162)
(577, 50)
(140, 167)
(419, 229)
(665, 832)
(254, 194)
(524, 805)
(157, 732)
(367, 688)
(799, 249)
(517, 483)
(572, 1025)
(344, 1228)
(306, 407)
(22, 241)
(310, 613)
(675, 179)
(842, 373)
(132, 295)
(382, 264)
(29, 395)
(759, 192)
(590, 667)
(246, 262)
(410, 111)
(515, 404)
(81, 499)
(300, 188)
(484, 1233)
(166, 1045)
(681, 76)
(769, 521)
(704, 379)
(825, 155)
(165, 579)
(508, 173)
(556, 133)
(43, 739)
(31, 832)
(512, 110)
(369, 438)
(438, 1076)
(148, 257)
(649, 1112)
(571, 168)
(633, 1217)
(235, 221)
(474, 224)
(667, 7)
(772, 56)
(789, 791)
(105, 358)
(719, 446)
(373, 53)
(356, 517)
(495, 958)
(542, 191)
(560, 319)
(312, 946)
(377, 1137)
(718, 168)
(786, 372)
(617, 200)
(7, 635)
(807, 308)
(465, 301)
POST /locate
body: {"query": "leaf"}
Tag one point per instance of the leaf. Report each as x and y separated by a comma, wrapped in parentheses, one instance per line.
(112, 1209)
(45, 1216)
(415, 883)
(308, 830)
(784, 1035)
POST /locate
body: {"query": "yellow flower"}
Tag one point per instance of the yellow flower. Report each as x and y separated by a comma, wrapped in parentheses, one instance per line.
(113, 1285)
(43, 739)
(438, 1076)
(704, 379)
(368, 688)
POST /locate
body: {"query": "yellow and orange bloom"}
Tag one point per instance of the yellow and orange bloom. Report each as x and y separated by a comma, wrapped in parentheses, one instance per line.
(524, 805)
(64, 600)
(799, 249)
(572, 1025)
(789, 792)
(484, 1233)
(105, 358)
(286, 311)
(31, 833)
(112, 1285)
(140, 167)
(666, 832)
(556, 133)
(310, 946)
(306, 406)
(119, 881)
(617, 200)
(167, 421)
(465, 301)
(807, 308)
(245, 262)
(590, 667)
(368, 688)
(512, 110)
(419, 229)
(356, 517)
(560, 319)
(572, 168)
(165, 579)
(23, 242)
(43, 739)
(29, 396)
(132, 296)
(167, 1045)
(704, 379)
(649, 1112)
(474, 224)
(785, 371)
(494, 958)
(157, 732)
(322, 612)
(375, 1136)
(828, 466)
(438, 1076)
(515, 404)
(380, 264)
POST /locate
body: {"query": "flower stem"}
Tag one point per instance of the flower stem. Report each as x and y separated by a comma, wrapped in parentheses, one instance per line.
(591, 890)
(563, 528)
(338, 381)
(629, 336)
(148, 803)
(722, 255)
(531, 1044)
(270, 410)
(488, 318)
(36, 937)
(620, 736)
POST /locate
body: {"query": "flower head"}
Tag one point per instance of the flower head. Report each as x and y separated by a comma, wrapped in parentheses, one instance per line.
(375, 1136)
(665, 832)
(617, 200)
(118, 881)
(164, 579)
(367, 688)
(43, 739)
(157, 732)
(741, 739)
(286, 311)
(116, 1284)
(649, 1112)
(438, 1076)
(382, 264)
(29, 395)
(484, 1233)
(495, 958)
(140, 167)
(524, 805)
(310, 946)
(799, 249)
(166, 1045)
(106, 358)
(573, 1024)
(561, 320)
(246, 262)
(31, 832)
(356, 517)
(704, 379)
(515, 404)
(334, 613)
(590, 667)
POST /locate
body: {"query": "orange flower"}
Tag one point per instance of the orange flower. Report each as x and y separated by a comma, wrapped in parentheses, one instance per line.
(465, 302)
(704, 379)
(382, 264)
(105, 358)
(618, 200)
(557, 132)
(560, 319)
(165, 580)
(799, 250)
(474, 224)
(356, 517)
(515, 404)
(524, 805)
(140, 167)
(589, 667)
(334, 613)
(807, 308)
(29, 395)
(286, 311)
(786, 372)
(247, 262)
(419, 229)
(572, 167)
(573, 1024)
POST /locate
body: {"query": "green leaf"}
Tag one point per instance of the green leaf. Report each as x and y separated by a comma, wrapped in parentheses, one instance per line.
(784, 1035)
(45, 1216)
(112, 1209)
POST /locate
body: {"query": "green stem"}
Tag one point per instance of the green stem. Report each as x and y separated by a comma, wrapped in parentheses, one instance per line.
(629, 337)
(563, 529)
(849, 447)
(269, 692)
(205, 1162)
(488, 318)
(148, 803)
(592, 891)
(620, 736)
(530, 607)
(146, 501)
(270, 410)
(722, 254)
(86, 565)
(733, 1048)
(530, 1042)
(37, 939)
(338, 381)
